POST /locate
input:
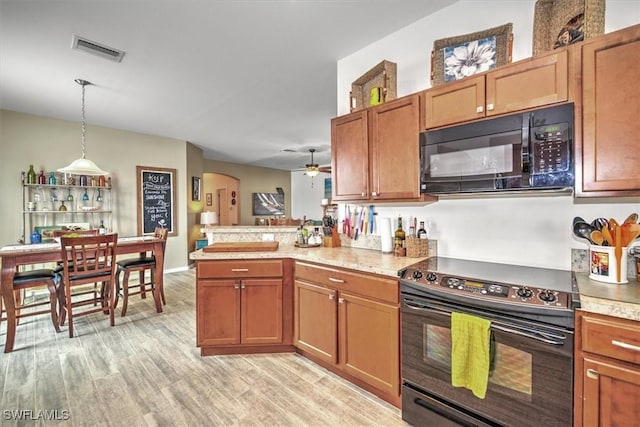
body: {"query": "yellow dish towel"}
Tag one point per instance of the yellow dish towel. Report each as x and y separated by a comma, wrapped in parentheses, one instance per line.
(470, 341)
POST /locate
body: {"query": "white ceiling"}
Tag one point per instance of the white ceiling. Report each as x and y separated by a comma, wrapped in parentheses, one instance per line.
(243, 80)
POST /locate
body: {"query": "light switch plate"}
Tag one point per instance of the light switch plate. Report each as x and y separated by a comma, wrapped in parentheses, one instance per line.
(268, 237)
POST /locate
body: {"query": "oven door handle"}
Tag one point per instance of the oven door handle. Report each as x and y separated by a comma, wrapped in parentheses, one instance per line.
(544, 337)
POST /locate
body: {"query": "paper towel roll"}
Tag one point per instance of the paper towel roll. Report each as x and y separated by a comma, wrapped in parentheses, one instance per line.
(386, 239)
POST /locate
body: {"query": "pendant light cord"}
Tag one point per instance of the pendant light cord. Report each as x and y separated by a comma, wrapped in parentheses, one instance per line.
(83, 83)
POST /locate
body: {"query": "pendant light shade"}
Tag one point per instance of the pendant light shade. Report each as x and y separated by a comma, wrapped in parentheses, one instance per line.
(83, 166)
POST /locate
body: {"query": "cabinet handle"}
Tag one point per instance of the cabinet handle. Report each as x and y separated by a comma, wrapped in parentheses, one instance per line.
(374, 194)
(489, 107)
(242, 285)
(479, 109)
(340, 300)
(362, 194)
(236, 286)
(332, 296)
(333, 279)
(239, 270)
(625, 345)
(592, 373)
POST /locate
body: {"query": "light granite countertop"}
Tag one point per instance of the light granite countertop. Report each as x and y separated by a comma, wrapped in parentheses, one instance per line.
(365, 260)
(607, 298)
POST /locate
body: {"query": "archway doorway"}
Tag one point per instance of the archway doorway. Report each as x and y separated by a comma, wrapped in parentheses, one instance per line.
(222, 195)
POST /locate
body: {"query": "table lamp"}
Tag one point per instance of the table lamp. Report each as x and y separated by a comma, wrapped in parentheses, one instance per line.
(208, 218)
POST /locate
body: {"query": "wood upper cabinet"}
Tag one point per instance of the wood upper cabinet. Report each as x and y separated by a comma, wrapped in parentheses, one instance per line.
(607, 371)
(350, 321)
(375, 152)
(350, 157)
(608, 156)
(244, 309)
(523, 85)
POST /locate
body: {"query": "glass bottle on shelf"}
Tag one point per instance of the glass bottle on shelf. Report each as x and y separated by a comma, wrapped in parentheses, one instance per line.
(52, 178)
(41, 178)
(62, 208)
(101, 228)
(83, 180)
(31, 175)
(102, 181)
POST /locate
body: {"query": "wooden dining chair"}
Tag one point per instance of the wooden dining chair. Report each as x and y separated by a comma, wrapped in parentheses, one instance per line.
(88, 260)
(33, 279)
(145, 262)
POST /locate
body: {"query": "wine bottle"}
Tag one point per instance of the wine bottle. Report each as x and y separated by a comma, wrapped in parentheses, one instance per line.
(41, 178)
(101, 228)
(31, 175)
(52, 178)
(422, 233)
(399, 235)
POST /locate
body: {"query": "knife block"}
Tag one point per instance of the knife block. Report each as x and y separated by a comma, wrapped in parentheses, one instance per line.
(332, 241)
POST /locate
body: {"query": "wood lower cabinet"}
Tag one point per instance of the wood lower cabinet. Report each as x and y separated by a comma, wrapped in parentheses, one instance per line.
(349, 322)
(607, 371)
(608, 154)
(523, 85)
(241, 306)
(375, 153)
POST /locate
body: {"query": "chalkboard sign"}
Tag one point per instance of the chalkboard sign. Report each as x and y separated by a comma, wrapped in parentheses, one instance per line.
(156, 199)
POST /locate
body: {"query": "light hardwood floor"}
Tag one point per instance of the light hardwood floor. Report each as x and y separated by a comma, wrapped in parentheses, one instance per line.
(147, 371)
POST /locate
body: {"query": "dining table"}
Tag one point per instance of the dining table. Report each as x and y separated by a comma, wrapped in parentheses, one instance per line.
(13, 256)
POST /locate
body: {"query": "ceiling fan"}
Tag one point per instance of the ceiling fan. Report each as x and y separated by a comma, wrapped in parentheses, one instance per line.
(312, 169)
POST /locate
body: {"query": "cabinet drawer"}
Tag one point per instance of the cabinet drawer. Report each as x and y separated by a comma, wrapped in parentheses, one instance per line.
(362, 284)
(239, 268)
(612, 337)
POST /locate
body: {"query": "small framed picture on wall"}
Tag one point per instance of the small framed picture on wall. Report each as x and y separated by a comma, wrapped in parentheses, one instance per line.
(195, 188)
(209, 199)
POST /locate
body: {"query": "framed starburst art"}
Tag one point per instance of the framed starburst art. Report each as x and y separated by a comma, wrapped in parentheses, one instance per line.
(455, 58)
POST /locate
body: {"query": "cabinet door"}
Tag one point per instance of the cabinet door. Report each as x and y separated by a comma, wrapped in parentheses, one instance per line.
(455, 102)
(611, 393)
(395, 149)
(610, 111)
(315, 321)
(261, 318)
(527, 84)
(350, 157)
(369, 341)
(218, 312)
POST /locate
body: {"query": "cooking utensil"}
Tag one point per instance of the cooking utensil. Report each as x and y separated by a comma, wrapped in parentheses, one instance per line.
(596, 237)
(583, 230)
(577, 219)
(606, 235)
(613, 225)
(631, 219)
(630, 232)
(618, 252)
(598, 223)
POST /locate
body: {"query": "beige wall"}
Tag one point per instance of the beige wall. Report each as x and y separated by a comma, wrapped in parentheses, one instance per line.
(50, 144)
(253, 179)
(194, 207)
(216, 184)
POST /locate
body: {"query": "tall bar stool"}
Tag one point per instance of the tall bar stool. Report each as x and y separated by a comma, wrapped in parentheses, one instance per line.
(88, 260)
(142, 264)
(32, 279)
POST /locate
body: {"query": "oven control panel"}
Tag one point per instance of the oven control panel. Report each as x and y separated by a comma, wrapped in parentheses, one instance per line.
(516, 294)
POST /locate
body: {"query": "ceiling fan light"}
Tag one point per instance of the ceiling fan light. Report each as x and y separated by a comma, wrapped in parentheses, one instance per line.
(313, 172)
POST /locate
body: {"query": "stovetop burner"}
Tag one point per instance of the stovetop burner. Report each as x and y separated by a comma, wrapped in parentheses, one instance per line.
(535, 293)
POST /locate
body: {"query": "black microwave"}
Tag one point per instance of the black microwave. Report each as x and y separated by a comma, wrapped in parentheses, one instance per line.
(525, 151)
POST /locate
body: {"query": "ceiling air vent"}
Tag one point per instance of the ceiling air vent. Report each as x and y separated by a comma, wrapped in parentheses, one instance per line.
(102, 50)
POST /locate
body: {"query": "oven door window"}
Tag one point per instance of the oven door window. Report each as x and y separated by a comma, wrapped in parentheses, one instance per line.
(530, 384)
(511, 368)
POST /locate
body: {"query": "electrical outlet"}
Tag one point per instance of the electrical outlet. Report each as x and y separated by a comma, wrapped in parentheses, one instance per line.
(268, 237)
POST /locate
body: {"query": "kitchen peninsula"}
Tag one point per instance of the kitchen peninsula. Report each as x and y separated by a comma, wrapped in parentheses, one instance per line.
(336, 306)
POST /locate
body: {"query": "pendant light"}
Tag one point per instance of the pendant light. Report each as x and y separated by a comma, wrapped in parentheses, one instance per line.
(83, 166)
